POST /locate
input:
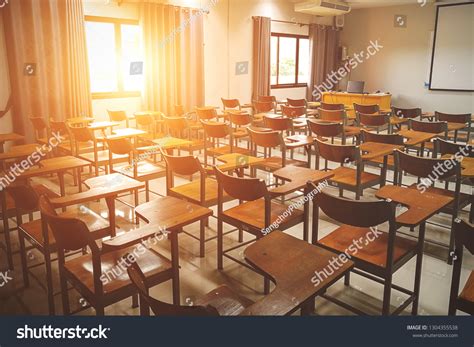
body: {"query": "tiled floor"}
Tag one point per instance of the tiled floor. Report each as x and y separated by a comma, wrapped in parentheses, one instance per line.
(200, 275)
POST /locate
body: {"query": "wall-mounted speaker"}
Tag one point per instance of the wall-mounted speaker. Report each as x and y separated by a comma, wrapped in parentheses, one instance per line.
(339, 21)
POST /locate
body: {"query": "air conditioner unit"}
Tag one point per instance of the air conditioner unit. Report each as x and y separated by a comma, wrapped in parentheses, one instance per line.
(323, 8)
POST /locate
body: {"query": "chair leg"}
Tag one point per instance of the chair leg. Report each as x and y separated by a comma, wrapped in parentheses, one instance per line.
(266, 285)
(99, 310)
(134, 300)
(147, 191)
(471, 213)
(387, 294)
(347, 279)
(202, 238)
(65, 296)
(8, 242)
(220, 245)
(23, 258)
(49, 283)
(416, 290)
(241, 235)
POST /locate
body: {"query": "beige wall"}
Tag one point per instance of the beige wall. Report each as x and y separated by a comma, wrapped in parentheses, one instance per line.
(6, 121)
(402, 66)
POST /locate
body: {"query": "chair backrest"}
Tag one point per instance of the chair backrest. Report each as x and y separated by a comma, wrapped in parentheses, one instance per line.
(39, 126)
(426, 168)
(82, 134)
(367, 109)
(278, 123)
(267, 98)
(175, 124)
(394, 139)
(293, 111)
(429, 127)
(206, 113)
(263, 106)
(326, 129)
(179, 110)
(117, 116)
(372, 120)
(338, 153)
(144, 120)
(24, 196)
(59, 127)
(296, 102)
(231, 103)
(408, 113)
(464, 235)
(120, 146)
(454, 118)
(158, 307)
(332, 107)
(332, 116)
(246, 189)
(270, 139)
(216, 130)
(239, 118)
(363, 214)
(185, 165)
(446, 147)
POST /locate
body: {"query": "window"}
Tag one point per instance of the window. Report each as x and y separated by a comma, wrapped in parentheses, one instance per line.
(115, 59)
(289, 60)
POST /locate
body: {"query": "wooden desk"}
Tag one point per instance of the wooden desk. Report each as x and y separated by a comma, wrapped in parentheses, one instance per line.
(421, 206)
(373, 150)
(9, 137)
(84, 121)
(467, 165)
(171, 143)
(236, 161)
(172, 214)
(19, 152)
(102, 126)
(291, 264)
(106, 187)
(297, 178)
(126, 133)
(416, 137)
(383, 100)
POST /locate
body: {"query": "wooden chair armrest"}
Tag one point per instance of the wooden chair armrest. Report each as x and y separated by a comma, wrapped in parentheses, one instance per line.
(132, 238)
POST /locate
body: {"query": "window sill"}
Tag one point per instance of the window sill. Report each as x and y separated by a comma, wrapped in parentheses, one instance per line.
(288, 86)
(115, 95)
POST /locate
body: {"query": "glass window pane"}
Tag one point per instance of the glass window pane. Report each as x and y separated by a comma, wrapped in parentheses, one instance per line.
(132, 59)
(287, 66)
(303, 67)
(274, 59)
(102, 57)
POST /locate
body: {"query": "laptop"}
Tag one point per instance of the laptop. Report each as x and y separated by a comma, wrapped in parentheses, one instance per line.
(356, 87)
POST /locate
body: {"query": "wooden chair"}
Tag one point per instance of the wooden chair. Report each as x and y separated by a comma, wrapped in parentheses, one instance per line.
(90, 274)
(332, 107)
(378, 259)
(464, 238)
(401, 116)
(119, 116)
(425, 170)
(297, 103)
(268, 98)
(233, 104)
(440, 128)
(377, 122)
(345, 177)
(296, 113)
(215, 134)
(282, 124)
(202, 192)
(393, 139)
(256, 211)
(40, 129)
(181, 128)
(262, 107)
(207, 113)
(341, 117)
(40, 236)
(457, 119)
(269, 140)
(239, 122)
(60, 127)
(366, 109)
(147, 122)
(138, 167)
(221, 301)
(327, 130)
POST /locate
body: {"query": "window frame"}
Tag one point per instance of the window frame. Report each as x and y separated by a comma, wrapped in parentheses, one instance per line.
(289, 85)
(118, 22)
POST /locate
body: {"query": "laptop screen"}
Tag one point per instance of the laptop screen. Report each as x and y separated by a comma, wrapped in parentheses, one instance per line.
(355, 87)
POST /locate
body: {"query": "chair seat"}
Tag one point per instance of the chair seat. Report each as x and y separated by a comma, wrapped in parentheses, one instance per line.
(86, 147)
(274, 163)
(348, 176)
(468, 291)
(352, 131)
(103, 157)
(240, 133)
(253, 213)
(227, 150)
(225, 301)
(398, 121)
(390, 161)
(373, 252)
(153, 265)
(33, 230)
(145, 171)
(192, 191)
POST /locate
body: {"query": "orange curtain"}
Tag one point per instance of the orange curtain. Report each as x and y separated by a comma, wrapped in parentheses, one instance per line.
(50, 35)
(174, 57)
(262, 33)
(324, 43)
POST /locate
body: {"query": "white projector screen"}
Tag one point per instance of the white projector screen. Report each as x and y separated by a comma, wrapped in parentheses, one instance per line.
(452, 64)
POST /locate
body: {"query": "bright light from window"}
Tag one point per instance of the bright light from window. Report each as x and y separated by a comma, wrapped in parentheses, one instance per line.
(131, 58)
(303, 66)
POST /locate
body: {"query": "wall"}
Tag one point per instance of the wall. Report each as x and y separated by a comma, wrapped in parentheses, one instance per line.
(228, 40)
(402, 66)
(6, 125)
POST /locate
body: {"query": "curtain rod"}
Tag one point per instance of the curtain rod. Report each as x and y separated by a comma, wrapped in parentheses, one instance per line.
(288, 22)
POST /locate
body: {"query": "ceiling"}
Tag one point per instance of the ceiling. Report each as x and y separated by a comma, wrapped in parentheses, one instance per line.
(355, 4)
